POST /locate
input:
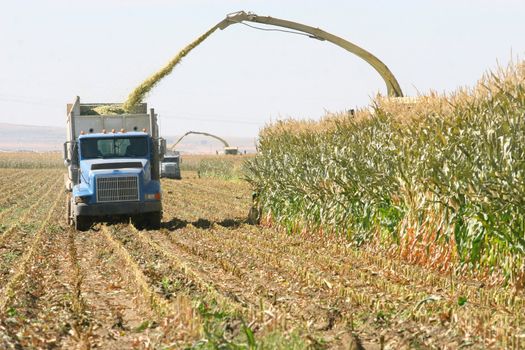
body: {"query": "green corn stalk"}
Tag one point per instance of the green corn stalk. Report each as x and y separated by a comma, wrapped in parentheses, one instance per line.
(444, 171)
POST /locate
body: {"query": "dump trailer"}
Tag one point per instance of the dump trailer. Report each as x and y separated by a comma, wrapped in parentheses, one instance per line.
(170, 165)
(113, 165)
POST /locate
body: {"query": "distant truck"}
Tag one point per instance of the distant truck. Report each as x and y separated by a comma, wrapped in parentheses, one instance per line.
(231, 150)
(113, 166)
(170, 165)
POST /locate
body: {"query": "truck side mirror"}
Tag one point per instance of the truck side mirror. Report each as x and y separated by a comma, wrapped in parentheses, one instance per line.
(67, 161)
(162, 149)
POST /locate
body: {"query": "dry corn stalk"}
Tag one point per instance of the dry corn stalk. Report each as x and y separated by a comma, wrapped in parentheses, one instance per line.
(440, 177)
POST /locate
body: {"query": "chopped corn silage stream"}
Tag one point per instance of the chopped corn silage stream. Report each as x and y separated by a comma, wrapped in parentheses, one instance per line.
(138, 94)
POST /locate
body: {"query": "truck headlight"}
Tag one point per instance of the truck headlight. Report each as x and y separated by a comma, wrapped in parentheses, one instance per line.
(153, 196)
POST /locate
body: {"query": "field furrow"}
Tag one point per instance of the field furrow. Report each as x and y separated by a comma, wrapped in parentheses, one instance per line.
(172, 284)
(247, 287)
(10, 178)
(16, 239)
(35, 300)
(194, 201)
(187, 275)
(363, 288)
(15, 201)
(112, 310)
(318, 305)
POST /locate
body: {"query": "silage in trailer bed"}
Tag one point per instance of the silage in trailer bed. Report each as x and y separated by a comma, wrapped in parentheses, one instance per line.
(441, 179)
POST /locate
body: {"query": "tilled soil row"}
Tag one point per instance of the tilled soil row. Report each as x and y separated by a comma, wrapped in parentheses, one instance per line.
(252, 287)
(207, 277)
(18, 198)
(111, 312)
(10, 176)
(291, 305)
(333, 258)
(323, 299)
(16, 239)
(211, 186)
(287, 294)
(34, 302)
(176, 285)
(402, 302)
(12, 181)
(208, 202)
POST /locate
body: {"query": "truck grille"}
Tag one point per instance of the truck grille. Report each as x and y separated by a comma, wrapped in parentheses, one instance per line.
(117, 189)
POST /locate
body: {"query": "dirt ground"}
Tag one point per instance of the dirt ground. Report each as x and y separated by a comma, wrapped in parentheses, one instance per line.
(209, 280)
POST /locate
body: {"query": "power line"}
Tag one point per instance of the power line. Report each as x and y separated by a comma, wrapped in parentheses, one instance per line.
(213, 120)
(26, 102)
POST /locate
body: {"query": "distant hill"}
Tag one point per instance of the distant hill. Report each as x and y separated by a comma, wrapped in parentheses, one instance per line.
(15, 137)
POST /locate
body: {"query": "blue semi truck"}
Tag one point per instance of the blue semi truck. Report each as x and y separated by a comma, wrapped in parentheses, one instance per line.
(113, 165)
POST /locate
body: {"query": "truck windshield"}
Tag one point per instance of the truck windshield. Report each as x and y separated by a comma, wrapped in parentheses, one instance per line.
(114, 147)
(171, 159)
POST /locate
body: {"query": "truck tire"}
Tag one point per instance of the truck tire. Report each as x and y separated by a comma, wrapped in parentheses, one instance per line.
(147, 221)
(82, 223)
(153, 220)
(138, 221)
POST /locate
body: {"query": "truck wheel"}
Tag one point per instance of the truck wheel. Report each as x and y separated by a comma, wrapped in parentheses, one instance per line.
(153, 220)
(138, 221)
(82, 223)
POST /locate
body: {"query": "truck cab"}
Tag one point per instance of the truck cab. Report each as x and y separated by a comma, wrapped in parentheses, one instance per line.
(113, 172)
(170, 166)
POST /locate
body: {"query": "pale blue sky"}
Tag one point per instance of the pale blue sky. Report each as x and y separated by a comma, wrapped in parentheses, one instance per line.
(240, 78)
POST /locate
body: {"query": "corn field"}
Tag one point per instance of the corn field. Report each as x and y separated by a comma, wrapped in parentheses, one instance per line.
(209, 280)
(226, 167)
(438, 180)
(29, 160)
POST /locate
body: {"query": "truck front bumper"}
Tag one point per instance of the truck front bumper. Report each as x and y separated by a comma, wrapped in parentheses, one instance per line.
(120, 208)
(172, 176)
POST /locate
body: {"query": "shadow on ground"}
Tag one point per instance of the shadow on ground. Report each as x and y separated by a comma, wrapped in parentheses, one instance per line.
(177, 224)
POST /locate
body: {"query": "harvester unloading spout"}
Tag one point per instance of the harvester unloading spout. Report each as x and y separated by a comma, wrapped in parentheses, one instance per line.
(393, 88)
(227, 148)
(137, 95)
